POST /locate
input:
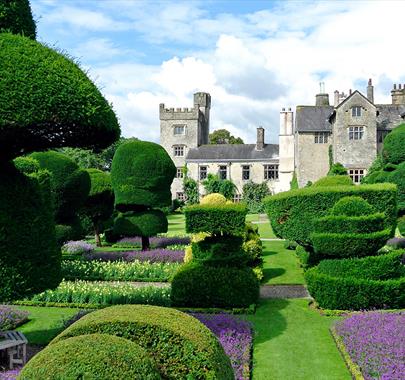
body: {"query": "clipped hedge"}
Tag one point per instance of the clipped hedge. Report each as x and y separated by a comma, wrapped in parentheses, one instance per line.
(181, 346)
(393, 150)
(334, 180)
(55, 105)
(143, 223)
(401, 225)
(16, 18)
(357, 284)
(94, 356)
(199, 285)
(352, 206)
(141, 174)
(293, 213)
(219, 219)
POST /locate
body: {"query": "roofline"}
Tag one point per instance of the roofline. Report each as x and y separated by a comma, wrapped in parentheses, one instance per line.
(200, 160)
(354, 92)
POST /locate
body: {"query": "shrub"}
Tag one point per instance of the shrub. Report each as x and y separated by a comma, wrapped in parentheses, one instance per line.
(180, 345)
(254, 250)
(334, 180)
(26, 164)
(56, 105)
(393, 148)
(352, 206)
(291, 245)
(293, 213)
(337, 169)
(213, 199)
(303, 256)
(16, 18)
(11, 317)
(401, 225)
(27, 237)
(229, 219)
(371, 282)
(93, 356)
(222, 186)
(190, 187)
(199, 285)
(143, 223)
(253, 195)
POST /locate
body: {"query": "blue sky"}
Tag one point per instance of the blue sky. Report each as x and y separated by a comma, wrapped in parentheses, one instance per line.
(254, 57)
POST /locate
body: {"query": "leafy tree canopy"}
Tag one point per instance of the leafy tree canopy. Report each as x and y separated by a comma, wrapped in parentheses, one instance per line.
(222, 136)
(16, 18)
(47, 101)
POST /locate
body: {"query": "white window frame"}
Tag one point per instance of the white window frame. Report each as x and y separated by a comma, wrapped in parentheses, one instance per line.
(178, 150)
(356, 133)
(245, 172)
(356, 175)
(221, 170)
(321, 137)
(356, 111)
(181, 196)
(271, 172)
(237, 198)
(203, 170)
(179, 173)
(176, 129)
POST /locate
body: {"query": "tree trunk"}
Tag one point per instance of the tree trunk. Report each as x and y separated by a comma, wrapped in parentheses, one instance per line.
(145, 243)
(97, 235)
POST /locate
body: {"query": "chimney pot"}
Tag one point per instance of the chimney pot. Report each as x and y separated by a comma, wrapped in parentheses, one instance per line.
(395, 86)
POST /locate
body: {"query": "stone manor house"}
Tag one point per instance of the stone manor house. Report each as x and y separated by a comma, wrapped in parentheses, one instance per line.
(354, 127)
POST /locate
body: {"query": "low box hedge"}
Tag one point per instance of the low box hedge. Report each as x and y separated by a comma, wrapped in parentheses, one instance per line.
(357, 284)
(216, 219)
(181, 346)
(292, 214)
(94, 356)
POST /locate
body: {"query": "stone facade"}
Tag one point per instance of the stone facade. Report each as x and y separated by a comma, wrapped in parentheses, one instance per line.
(349, 132)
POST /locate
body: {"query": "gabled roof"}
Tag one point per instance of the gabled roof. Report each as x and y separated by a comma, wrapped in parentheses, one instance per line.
(313, 118)
(233, 152)
(351, 95)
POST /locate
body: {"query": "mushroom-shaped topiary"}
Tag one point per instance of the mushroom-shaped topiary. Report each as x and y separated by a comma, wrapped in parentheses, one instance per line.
(55, 105)
(353, 228)
(141, 175)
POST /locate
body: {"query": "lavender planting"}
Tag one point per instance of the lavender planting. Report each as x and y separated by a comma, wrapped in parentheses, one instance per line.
(375, 341)
(10, 317)
(153, 256)
(235, 336)
(155, 242)
(77, 247)
(10, 374)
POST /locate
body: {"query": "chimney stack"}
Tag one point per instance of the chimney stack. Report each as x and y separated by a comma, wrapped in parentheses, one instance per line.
(336, 98)
(260, 138)
(370, 91)
(322, 99)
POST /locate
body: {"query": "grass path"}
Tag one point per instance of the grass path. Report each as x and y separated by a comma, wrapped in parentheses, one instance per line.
(293, 342)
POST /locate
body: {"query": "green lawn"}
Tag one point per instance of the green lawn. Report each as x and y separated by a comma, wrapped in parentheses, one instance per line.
(293, 342)
(281, 266)
(176, 225)
(45, 323)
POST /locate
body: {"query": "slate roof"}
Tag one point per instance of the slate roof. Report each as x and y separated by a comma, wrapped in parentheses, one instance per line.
(233, 152)
(390, 115)
(313, 118)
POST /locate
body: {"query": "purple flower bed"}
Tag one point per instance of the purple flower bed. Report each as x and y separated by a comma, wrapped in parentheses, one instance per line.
(153, 256)
(157, 242)
(10, 374)
(375, 341)
(235, 336)
(77, 247)
(10, 317)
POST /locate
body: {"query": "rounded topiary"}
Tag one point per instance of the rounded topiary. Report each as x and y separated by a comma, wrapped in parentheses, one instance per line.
(197, 285)
(352, 206)
(70, 184)
(334, 180)
(213, 199)
(55, 105)
(94, 356)
(337, 169)
(27, 238)
(393, 147)
(181, 346)
(143, 223)
(16, 18)
(26, 165)
(141, 175)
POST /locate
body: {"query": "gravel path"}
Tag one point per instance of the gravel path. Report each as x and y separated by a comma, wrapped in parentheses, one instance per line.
(283, 291)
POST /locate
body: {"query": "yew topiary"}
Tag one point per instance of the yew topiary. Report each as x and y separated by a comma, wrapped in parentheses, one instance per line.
(393, 148)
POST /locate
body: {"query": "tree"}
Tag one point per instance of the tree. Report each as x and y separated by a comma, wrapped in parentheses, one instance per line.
(253, 195)
(99, 205)
(16, 18)
(222, 136)
(141, 175)
(222, 186)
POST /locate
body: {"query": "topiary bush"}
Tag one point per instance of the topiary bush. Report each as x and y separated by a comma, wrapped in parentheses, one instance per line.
(352, 206)
(292, 214)
(94, 356)
(197, 285)
(393, 147)
(16, 18)
(358, 284)
(143, 223)
(334, 180)
(337, 169)
(180, 345)
(213, 199)
(55, 105)
(27, 240)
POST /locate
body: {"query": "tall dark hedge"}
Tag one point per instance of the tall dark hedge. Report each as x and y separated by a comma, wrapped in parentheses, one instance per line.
(141, 174)
(16, 18)
(27, 238)
(47, 101)
(394, 146)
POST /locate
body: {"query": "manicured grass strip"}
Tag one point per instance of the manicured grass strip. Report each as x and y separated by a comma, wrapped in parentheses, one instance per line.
(263, 223)
(44, 323)
(176, 225)
(281, 265)
(293, 341)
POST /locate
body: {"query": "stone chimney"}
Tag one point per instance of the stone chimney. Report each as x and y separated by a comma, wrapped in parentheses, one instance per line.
(370, 91)
(336, 98)
(322, 99)
(260, 139)
(398, 94)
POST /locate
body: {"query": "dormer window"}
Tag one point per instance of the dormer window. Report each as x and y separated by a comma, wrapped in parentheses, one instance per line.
(356, 111)
(179, 129)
